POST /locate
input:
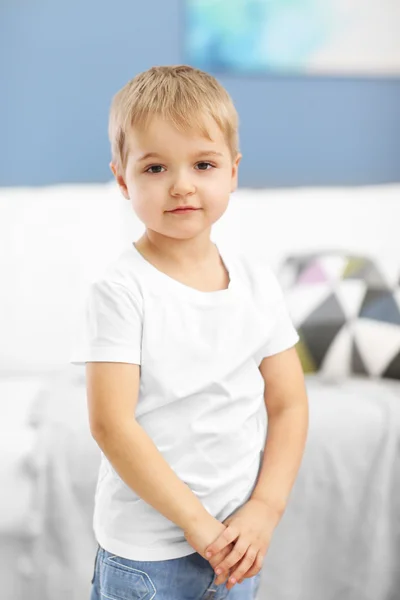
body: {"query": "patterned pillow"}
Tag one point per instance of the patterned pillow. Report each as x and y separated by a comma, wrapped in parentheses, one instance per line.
(346, 309)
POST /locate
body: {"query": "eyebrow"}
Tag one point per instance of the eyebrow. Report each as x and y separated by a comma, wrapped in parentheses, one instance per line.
(200, 153)
(148, 155)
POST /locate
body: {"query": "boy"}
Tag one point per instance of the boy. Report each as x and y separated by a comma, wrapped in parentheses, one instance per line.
(182, 347)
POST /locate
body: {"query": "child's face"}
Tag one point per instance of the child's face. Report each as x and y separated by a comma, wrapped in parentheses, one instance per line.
(167, 169)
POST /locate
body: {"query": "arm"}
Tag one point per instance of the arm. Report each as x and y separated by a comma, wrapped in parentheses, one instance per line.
(287, 408)
(135, 457)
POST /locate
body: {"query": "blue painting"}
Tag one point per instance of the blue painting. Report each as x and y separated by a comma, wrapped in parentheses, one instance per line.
(295, 36)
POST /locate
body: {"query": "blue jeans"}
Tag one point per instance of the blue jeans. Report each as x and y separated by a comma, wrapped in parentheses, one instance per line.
(187, 578)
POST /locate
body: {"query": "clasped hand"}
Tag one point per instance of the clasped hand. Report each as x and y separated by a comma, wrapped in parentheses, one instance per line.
(243, 543)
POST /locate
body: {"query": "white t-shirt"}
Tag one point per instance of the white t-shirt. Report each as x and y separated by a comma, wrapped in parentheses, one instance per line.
(201, 397)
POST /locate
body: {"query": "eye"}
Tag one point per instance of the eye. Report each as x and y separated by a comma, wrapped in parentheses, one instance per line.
(204, 166)
(154, 169)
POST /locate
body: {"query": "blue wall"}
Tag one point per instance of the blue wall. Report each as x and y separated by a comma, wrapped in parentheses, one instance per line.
(61, 62)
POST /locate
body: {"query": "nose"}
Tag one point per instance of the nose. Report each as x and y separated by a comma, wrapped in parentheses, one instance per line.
(182, 185)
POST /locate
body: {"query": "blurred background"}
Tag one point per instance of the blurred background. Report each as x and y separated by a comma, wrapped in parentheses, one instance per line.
(317, 87)
(62, 62)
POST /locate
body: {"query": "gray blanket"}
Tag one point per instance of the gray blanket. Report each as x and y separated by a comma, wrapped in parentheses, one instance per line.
(338, 540)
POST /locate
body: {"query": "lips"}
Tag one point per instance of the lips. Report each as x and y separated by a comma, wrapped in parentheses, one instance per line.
(183, 209)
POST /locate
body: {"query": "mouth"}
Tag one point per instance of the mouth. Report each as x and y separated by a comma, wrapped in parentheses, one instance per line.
(182, 210)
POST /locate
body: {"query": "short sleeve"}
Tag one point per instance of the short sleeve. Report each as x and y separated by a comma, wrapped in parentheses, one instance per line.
(112, 326)
(282, 335)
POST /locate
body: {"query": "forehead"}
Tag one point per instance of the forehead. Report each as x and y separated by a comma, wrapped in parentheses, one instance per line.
(162, 135)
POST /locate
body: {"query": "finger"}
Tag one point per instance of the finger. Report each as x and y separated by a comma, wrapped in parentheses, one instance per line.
(225, 576)
(239, 550)
(241, 570)
(255, 569)
(218, 558)
(245, 571)
(227, 537)
(258, 564)
(222, 579)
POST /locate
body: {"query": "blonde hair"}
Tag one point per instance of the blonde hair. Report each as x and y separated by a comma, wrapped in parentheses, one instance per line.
(181, 94)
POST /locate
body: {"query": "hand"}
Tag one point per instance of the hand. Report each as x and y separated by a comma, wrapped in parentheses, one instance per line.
(250, 528)
(201, 534)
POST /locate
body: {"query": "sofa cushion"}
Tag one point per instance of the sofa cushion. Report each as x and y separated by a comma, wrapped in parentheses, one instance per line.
(346, 308)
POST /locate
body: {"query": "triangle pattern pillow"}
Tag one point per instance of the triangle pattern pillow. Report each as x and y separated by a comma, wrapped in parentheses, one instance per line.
(346, 309)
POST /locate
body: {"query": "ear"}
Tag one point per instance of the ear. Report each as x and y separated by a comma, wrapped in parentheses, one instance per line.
(119, 179)
(235, 168)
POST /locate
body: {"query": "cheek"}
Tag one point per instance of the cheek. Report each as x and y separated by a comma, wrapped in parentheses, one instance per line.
(140, 187)
(216, 190)
(147, 199)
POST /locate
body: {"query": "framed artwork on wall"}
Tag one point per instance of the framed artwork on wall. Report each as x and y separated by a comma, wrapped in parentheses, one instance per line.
(326, 37)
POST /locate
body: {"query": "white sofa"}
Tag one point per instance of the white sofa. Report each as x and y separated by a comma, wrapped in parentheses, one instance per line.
(340, 535)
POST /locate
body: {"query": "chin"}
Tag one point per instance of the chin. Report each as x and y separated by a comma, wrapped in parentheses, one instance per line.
(184, 235)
